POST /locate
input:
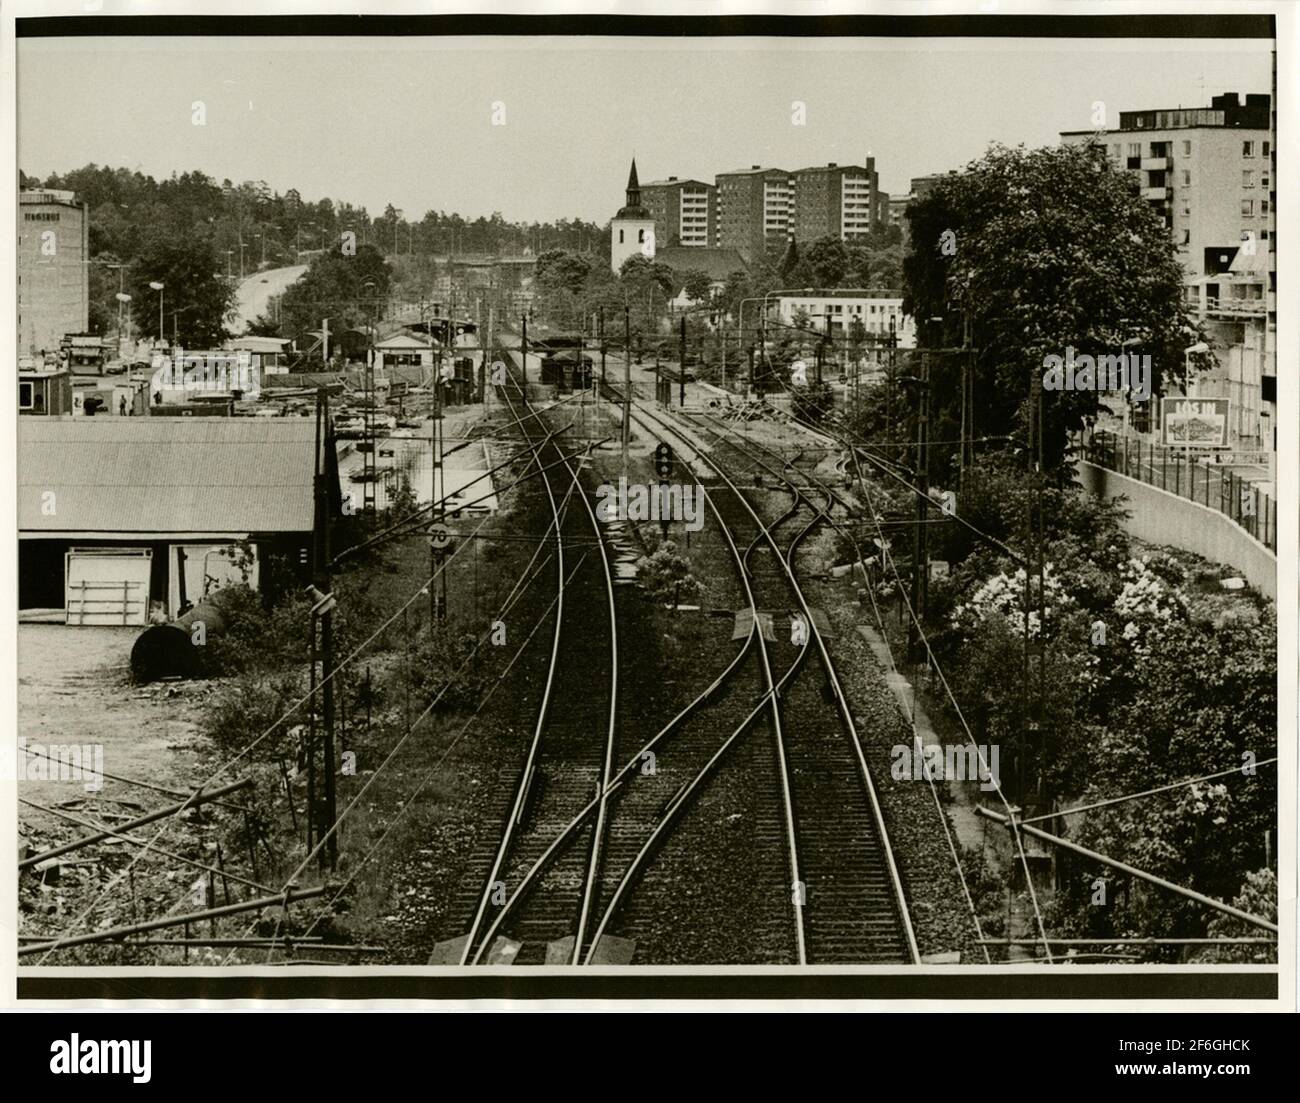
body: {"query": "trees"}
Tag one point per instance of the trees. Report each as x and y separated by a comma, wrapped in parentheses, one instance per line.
(1043, 249)
(697, 285)
(197, 302)
(334, 287)
(827, 262)
(639, 273)
(560, 269)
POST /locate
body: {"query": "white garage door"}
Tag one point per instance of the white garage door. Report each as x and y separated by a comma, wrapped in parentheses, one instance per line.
(108, 586)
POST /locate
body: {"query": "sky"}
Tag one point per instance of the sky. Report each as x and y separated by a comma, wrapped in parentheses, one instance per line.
(410, 121)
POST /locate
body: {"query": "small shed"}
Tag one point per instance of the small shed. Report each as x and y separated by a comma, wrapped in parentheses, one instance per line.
(404, 349)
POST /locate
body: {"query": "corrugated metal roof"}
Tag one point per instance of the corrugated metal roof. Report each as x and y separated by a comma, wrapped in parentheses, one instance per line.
(130, 475)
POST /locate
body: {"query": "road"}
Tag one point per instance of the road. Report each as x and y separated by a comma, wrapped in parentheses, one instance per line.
(253, 295)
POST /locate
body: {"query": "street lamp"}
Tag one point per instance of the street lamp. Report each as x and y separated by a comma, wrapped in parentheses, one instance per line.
(1188, 387)
(1188, 353)
(123, 300)
(158, 286)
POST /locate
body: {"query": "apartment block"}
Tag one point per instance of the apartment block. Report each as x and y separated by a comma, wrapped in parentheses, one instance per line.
(755, 208)
(1209, 173)
(839, 201)
(684, 211)
(881, 314)
(1206, 171)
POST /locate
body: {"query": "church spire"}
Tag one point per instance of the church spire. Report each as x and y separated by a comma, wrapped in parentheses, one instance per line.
(633, 187)
(633, 208)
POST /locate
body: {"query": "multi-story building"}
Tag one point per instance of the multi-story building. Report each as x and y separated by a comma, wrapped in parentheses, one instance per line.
(894, 209)
(838, 309)
(837, 201)
(1210, 174)
(53, 272)
(897, 208)
(1206, 171)
(684, 211)
(921, 186)
(754, 211)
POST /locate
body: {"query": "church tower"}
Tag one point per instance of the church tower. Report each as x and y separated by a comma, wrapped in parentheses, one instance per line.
(632, 231)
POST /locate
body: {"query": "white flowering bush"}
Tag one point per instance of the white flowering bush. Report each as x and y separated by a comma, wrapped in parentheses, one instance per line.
(1003, 595)
(1208, 802)
(1146, 602)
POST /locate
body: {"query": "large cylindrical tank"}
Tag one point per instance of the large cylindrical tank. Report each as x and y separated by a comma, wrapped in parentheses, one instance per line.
(176, 648)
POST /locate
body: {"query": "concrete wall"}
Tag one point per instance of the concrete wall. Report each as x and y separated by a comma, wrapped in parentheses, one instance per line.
(1162, 517)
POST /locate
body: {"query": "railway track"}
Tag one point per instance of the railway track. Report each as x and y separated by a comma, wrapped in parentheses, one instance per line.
(569, 759)
(823, 888)
(638, 800)
(845, 889)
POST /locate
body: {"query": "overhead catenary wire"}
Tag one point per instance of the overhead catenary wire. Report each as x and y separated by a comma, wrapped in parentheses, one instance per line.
(429, 773)
(560, 513)
(27, 749)
(924, 639)
(1147, 792)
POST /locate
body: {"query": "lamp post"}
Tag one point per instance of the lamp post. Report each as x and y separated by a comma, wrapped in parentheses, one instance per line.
(1189, 386)
(123, 300)
(1132, 341)
(158, 286)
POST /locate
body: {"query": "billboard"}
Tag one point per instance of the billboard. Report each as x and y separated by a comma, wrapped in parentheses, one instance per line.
(1194, 422)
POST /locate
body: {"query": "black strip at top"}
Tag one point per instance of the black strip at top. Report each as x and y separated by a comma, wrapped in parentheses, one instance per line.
(1153, 25)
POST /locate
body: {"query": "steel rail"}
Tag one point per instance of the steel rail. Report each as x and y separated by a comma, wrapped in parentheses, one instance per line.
(702, 699)
(530, 759)
(682, 800)
(601, 799)
(765, 534)
(846, 716)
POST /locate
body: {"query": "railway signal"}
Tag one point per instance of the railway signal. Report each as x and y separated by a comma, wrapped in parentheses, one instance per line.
(664, 462)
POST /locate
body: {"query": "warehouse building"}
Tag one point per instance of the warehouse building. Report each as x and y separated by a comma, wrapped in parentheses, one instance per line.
(128, 520)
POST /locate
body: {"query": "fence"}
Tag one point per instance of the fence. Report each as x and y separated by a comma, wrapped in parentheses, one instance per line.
(1214, 485)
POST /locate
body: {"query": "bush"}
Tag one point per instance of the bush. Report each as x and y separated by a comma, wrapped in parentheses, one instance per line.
(667, 576)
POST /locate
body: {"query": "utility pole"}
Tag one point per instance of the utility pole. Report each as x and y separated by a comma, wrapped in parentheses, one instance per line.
(967, 445)
(523, 348)
(920, 543)
(681, 373)
(822, 346)
(368, 503)
(722, 346)
(627, 382)
(437, 585)
(1032, 697)
(602, 344)
(323, 583)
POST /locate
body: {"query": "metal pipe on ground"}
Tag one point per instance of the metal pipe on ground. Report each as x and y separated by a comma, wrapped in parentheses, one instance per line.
(174, 649)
